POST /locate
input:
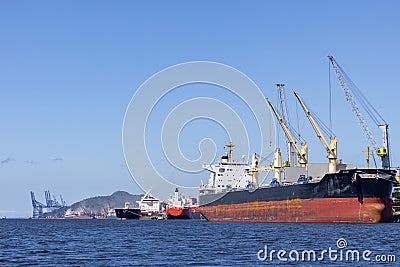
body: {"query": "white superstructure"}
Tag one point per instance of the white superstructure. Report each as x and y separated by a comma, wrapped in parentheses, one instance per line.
(179, 201)
(149, 204)
(227, 175)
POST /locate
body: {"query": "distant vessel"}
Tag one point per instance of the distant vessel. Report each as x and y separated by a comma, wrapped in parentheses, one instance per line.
(69, 214)
(149, 205)
(128, 212)
(111, 214)
(179, 207)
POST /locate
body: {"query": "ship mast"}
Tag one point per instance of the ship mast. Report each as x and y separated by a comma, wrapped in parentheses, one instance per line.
(230, 147)
(285, 117)
(332, 147)
(367, 157)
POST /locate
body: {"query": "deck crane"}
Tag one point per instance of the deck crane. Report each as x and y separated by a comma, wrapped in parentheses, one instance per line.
(332, 147)
(302, 154)
(277, 165)
(383, 151)
(282, 105)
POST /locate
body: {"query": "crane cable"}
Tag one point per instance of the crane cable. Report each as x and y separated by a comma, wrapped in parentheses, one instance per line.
(330, 96)
(368, 107)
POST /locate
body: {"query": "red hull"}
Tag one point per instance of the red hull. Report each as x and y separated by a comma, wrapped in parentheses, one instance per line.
(178, 213)
(320, 210)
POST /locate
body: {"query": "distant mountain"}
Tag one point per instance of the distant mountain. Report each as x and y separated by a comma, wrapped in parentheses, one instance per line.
(102, 203)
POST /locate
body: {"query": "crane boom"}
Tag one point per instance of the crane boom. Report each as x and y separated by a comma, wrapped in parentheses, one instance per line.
(282, 103)
(354, 107)
(301, 154)
(332, 147)
(312, 121)
(383, 151)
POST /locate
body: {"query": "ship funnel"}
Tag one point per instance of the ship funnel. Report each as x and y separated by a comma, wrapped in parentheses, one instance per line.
(176, 195)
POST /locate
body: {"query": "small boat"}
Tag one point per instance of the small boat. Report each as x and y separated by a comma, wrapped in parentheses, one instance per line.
(70, 214)
(111, 214)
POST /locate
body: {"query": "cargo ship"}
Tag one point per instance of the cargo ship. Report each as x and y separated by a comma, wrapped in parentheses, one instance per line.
(348, 196)
(179, 207)
(150, 207)
(301, 191)
(147, 208)
(128, 213)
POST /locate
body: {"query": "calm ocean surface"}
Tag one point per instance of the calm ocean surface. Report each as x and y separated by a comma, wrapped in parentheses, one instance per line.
(178, 243)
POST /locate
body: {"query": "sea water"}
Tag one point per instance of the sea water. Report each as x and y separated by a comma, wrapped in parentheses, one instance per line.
(195, 242)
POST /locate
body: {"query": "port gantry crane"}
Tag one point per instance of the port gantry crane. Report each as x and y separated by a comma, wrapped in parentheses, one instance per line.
(383, 151)
(332, 147)
(37, 207)
(51, 204)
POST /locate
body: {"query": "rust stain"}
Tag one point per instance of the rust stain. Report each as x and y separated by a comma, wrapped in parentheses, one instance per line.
(347, 210)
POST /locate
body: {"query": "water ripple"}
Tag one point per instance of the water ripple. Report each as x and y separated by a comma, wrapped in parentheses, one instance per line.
(172, 243)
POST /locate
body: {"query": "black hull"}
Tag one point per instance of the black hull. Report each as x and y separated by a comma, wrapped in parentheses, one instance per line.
(338, 185)
(344, 189)
(129, 214)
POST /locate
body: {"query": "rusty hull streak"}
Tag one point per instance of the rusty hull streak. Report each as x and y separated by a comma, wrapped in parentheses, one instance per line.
(321, 210)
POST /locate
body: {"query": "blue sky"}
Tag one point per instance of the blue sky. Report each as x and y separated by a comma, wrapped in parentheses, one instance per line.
(68, 71)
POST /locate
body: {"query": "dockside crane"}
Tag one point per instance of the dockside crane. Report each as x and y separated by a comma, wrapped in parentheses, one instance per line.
(49, 200)
(51, 204)
(383, 151)
(63, 203)
(37, 207)
(332, 147)
(303, 153)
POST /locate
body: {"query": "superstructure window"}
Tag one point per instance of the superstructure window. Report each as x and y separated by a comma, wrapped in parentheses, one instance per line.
(221, 169)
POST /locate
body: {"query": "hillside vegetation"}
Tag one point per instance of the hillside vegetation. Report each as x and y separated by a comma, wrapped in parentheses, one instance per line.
(102, 203)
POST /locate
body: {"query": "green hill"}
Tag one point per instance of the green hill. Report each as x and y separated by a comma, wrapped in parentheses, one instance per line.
(102, 203)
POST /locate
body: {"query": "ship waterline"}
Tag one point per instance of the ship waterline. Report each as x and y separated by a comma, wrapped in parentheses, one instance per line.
(332, 210)
(343, 197)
